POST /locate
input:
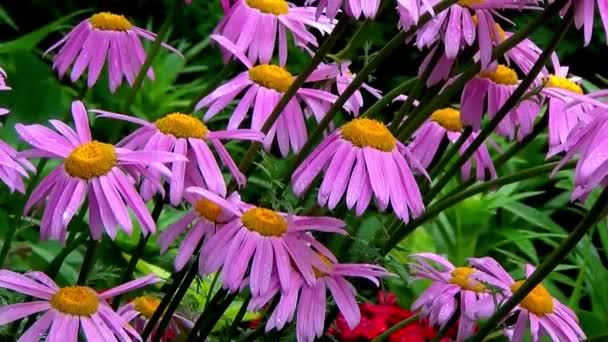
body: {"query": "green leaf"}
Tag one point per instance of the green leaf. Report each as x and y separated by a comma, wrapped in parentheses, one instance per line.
(6, 18)
(533, 216)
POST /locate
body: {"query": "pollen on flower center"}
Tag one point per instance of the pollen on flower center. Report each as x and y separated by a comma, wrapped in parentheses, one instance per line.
(91, 160)
(208, 209)
(276, 7)
(318, 273)
(264, 221)
(146, 305)
(501, 75)
(469, 3)
(538, 301)
(271, 76)
(448, 118)
(554, 81)
(110, 22)
(364, 132)
(182, 125)
(75, 300)
(461, 276)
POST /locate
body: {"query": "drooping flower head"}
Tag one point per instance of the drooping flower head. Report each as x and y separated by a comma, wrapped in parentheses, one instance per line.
(139, 311)
(584, 15)
(452, 288)
(204, 219)
(308, 300)
(92, 169)
(268, 240)
(67, 311)
(545, 315)
(263, 86)
(104, 35)
(187, 136)
(360, 159)
(446, 122)
(255, 25)
(353, 8)
(492, 88)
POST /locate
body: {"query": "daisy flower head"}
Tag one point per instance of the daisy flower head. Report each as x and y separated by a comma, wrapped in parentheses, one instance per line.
(545, 315)
(452, 288)
(263, 86)
(360, 159)
(104, 36)
(139, 311)
(493, 87)
(90, 169)
(203, 221)
(255, 25)
(339, 74)
(584, 15)
(307, 301)
(446, 122)
(187, 136)
(353, 8)
(67, 311)
(267, 240)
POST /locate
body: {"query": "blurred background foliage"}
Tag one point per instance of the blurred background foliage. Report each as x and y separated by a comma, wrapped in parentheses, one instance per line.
(517, 224)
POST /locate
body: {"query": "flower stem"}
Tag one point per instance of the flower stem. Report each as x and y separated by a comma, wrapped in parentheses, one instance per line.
(385, 335)
(516, 148)
(209, 317)
(451, 151)
(511, 102)
(546, 267)
(52, 269)
(239, 316)
(379, 105)
(88, 262)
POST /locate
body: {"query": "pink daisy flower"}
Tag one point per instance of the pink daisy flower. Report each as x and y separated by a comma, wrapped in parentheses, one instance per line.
(204, 219)
(452, 287)
(104, 35)
(446, 122)
(3, 87)
(187, 136)
(267, 240)
(263, 86)
(309, 300)
(494, 86)
(584, 15)
(141, 309)
(340, 75)
(13, 168)
(68, 310)
(362, 158)
(90, 169)
(353, 8)
(545, 314)
(253, 26)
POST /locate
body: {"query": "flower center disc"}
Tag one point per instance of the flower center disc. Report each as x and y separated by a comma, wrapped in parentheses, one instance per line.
(271, 76)
(326, 261)
(563, 83)
(146, 305)
(538, 301)
(501, 75)
(461, 276)
(469, 3)
(448, 118)
(208, 209)
(369, 133)
(75, 300)
(90, 160)
(276, 7)
(182, 125)
(107, 21)
(264, 221)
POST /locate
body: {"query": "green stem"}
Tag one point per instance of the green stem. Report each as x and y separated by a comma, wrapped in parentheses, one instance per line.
(385, 335)
(209, 317)
(511, 102)
(239, 316)
(89, 261)
(52, 269)
(444, 329)
(211, 288)
(353, 43)
(546, 267)
(516, 148)
(388, 98)
(451, 151)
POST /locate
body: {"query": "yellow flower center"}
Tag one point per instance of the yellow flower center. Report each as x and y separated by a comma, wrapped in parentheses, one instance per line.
(469, 3)
(110, 22)
(461, 276)
(501, 75)
(208, 209)
(75, 300)
(264, 221)
(448, 118)
(369, 133)
(182, 125)
(554, 81)
(538, 301)
(90, 160)
(276, 7)
(146, 305)
(271, 76)
(326, 261)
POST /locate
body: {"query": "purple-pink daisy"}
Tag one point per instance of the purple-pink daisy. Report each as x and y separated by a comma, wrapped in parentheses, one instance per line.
(139, 311)
(353, 8)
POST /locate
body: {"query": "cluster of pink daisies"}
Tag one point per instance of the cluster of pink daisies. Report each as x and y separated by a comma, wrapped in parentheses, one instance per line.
(274, 254)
